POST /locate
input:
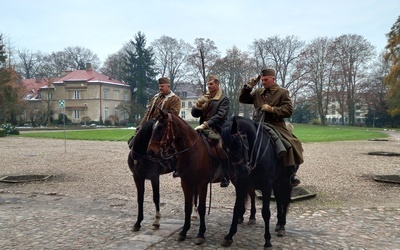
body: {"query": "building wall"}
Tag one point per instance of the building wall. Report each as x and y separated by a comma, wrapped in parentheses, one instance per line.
(94, 100)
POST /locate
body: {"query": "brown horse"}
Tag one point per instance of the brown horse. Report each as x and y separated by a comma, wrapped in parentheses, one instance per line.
(145, 168)
(194, 162)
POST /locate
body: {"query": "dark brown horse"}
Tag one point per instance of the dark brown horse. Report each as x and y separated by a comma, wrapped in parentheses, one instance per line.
(145, 168)
(197, 167)
(257, 166)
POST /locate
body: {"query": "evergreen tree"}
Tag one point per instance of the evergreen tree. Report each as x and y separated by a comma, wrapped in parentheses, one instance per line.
(139, 71)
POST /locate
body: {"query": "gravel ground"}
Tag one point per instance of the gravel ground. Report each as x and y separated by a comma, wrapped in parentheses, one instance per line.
(90, 202)
(340, 173)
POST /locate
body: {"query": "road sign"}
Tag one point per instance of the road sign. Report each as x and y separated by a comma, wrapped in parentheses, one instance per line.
(62, 104)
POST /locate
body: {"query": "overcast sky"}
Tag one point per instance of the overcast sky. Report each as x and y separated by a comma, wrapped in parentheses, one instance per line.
(104, 26)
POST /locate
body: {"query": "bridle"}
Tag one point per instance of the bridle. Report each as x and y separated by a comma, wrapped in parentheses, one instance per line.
(251, 162)
(167, 150)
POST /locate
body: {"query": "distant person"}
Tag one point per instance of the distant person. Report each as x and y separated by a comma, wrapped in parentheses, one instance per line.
(275, 102)
(213, 108)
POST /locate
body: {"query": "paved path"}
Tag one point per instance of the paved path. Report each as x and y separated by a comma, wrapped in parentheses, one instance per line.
(40, 221)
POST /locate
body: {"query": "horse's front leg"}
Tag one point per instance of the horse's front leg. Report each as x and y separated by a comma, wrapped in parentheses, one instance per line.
(202, 193)
(155, 183)
(238, 211)
(252, 218)
(188, 193)
(139, 182)
(283, 195)
(266, 214)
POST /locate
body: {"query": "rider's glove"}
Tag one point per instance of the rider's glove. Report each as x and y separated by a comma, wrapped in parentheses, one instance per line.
(202, 126)
(202, 100)
(266, 107)
(253, 81)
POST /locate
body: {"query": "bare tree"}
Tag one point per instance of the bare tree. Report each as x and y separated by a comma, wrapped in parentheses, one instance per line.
(78, 57)
(203, 56)
(28, 63)
(317, 61)
(170, 57)
(114, 66)
(282, 54)
(352, 54)
(233, 70)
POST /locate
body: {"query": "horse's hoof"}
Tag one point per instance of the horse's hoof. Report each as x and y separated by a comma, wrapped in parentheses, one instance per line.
(251, 222)
(135, 229)
(281, 233)
(226, 243)
(268, 245)
(181, 238)
(155, 226)
(199, 241)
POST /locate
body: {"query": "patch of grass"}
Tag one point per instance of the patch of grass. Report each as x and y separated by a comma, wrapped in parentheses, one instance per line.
(316, 133)
(88, 134)
(306, 133)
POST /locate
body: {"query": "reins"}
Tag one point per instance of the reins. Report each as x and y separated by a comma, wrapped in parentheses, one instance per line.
(251, 162)
(168, 138)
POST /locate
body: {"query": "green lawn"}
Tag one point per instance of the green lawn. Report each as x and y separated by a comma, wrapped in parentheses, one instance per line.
(116, 134)
(306, 133)
(314, 133)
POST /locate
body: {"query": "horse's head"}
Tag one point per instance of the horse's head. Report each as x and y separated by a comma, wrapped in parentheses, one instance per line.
(162, 134)
(235, 143)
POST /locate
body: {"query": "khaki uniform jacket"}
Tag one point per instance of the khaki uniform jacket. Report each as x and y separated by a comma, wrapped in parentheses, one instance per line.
(170, 102)
(279, 99)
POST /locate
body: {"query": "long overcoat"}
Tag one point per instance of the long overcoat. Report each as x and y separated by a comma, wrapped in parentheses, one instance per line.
(279, 99)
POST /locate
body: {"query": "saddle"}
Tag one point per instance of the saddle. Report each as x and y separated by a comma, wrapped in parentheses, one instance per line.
(214, 144)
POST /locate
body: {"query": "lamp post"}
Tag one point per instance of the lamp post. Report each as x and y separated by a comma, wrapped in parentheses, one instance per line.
(84, 117)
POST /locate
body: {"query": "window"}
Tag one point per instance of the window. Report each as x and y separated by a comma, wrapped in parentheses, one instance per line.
(184, 94)
(125, 96)
(76, 113)
(183, 104)
(50, 96)
(190, 104)
(106, 94)
(76, 94)
(183, 114)
(116, 94)
(116, 113)
(106, 113)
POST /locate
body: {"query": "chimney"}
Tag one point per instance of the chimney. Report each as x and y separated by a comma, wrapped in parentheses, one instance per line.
(89, 66)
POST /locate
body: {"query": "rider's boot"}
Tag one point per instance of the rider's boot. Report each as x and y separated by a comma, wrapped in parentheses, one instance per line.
(294, 181)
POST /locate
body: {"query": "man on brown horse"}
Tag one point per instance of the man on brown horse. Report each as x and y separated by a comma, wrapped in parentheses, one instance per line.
(213, 108)
(165, 99)
(276, 105)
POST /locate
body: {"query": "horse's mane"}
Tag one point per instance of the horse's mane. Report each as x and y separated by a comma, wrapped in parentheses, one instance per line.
(142, 138)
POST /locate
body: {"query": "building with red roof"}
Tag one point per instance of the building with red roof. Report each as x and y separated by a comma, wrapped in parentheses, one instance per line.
(87, 96)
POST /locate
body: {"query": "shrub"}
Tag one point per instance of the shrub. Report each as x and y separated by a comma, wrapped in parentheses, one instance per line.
(10, 130)
(2, 132)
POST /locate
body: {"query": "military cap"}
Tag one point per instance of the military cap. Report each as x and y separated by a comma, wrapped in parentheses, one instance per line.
(163, 80)
(268, 72)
